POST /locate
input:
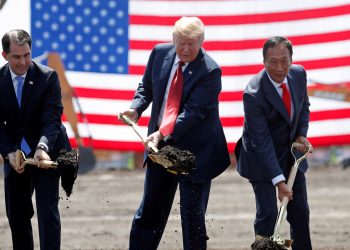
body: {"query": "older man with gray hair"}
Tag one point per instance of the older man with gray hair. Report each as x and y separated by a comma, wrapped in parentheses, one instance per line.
(183, 84)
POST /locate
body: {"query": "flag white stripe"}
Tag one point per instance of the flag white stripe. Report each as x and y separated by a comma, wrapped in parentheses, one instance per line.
(329, 128)
(212, 8)
(330, 75)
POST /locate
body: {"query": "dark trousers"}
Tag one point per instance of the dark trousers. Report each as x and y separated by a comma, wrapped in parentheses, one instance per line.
(19, 189)
(298, 212)
(150, 219)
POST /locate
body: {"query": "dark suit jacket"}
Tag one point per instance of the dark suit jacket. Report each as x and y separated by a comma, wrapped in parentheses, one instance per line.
(39, 118)
(198, 127)
(268, 132)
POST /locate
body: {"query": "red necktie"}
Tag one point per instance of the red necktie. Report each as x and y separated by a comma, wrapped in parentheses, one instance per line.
(172, 103)
(286, 98)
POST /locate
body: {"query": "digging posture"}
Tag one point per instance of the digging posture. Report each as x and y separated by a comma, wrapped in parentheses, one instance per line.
(270, 127)
(187, 118)
(30, 120)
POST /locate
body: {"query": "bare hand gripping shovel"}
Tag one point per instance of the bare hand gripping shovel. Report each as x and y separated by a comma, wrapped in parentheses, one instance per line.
(172, 159)
(293, 172)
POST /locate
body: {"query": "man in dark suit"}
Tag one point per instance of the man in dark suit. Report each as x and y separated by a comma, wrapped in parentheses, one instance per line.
(30, 120)
(197, 128)
(270, 127)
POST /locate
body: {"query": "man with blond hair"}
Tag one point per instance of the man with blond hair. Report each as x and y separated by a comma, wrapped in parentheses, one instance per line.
(191, 124)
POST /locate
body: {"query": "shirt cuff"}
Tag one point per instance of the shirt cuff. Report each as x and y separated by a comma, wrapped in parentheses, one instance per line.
(278, 179)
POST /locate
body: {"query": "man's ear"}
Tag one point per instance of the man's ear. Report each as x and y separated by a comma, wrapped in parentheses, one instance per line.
(4, 55)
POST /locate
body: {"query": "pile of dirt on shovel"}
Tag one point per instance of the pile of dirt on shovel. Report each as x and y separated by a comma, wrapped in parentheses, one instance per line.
(184, 160)
(266, 244)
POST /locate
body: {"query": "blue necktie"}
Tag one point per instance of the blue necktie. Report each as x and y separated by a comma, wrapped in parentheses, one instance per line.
(24, 145)
(19, 89)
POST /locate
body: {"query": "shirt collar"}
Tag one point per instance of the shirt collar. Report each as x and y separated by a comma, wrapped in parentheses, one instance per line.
(13, 75)
(177, 60)
(277, 85)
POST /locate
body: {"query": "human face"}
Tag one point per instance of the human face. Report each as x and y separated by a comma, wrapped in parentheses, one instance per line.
(18, 58)
(187, 48)
(278, 62)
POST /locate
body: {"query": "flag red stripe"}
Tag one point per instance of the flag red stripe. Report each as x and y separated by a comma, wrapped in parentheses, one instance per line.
(111, 145)
(226, 121)
(330, 140)
(253, 43)
(105, 93)
(330, 114)
(281, 16)
(253, 69)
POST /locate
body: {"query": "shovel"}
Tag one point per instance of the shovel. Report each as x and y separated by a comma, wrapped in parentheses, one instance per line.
(165, 157)
(293, 172)
(67, 163)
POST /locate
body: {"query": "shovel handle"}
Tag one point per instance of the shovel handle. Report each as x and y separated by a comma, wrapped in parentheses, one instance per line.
(290, 182)
(44, 163)
(137, 131)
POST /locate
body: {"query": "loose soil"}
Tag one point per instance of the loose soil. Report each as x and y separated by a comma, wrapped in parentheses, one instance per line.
(183, 161)
(99, 212)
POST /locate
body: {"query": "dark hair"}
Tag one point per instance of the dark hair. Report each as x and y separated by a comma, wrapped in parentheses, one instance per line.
(273, 41)
(18, 36)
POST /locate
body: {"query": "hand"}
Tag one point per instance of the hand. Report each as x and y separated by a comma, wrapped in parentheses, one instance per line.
(15, 162)
(153, 140)
(283, 191)
(39, 156)
(131, 114)
(305, 144)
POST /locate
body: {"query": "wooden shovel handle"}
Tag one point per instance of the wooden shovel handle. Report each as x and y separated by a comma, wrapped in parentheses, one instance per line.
(138, 132)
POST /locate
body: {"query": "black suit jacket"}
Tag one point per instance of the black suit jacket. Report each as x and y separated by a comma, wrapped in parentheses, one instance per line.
(268, 132)
(198, 127)
(39, 117)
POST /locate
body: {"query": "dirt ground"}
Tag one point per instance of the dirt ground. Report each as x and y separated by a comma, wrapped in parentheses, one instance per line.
(99, 213)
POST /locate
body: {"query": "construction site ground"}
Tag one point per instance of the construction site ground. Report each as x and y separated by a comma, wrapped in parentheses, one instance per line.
(98, 215)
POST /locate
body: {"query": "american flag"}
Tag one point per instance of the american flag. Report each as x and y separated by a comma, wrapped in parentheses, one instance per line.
(105, 46)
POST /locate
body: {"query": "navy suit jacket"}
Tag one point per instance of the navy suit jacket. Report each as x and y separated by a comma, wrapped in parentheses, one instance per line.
(198, 127)
(39, 117)
(268, 132)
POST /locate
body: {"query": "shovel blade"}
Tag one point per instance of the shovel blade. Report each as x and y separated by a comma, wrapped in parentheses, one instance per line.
(87, 159)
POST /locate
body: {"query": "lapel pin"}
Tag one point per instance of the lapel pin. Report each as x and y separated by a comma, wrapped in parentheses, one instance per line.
(190, 72)
(31, 83)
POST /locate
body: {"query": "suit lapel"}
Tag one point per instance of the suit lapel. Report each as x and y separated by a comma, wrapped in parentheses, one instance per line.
(293, 93)
(166, 68)
(192, 70)
(27, 88)
(9, 90)
(274, 98)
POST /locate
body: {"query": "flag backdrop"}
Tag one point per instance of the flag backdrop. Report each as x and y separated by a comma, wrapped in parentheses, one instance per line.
(105, 46)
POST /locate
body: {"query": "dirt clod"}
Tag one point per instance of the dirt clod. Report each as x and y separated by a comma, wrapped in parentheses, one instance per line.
(68, 167)
(184, 161)
(266, 244)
